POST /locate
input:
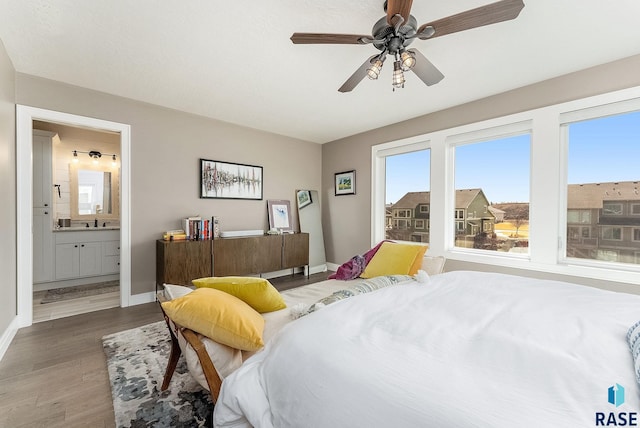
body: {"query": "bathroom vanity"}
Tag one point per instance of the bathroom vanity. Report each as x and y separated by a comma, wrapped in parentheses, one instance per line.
(86, 252)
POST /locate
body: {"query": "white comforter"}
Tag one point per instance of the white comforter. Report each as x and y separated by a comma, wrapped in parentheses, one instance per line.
(464, 350)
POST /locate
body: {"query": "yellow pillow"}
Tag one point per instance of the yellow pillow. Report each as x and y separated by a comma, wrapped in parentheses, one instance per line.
(219, 316)
(417, 263)
(395, 259)
(256, 292)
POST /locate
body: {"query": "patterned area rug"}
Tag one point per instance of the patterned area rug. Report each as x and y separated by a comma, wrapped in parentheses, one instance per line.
(68, 293)
(136, 360)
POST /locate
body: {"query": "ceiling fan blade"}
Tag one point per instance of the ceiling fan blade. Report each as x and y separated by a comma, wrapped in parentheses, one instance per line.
(425, 70)
(398, 7)
(333, 39)
(493, 13)
(356, 77)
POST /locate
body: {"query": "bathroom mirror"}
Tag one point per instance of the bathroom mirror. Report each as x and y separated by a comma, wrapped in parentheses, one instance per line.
(94, 192)
(310, 219)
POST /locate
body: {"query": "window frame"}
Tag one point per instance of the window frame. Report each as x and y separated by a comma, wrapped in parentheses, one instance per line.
(480, 136)
(617, 213)
(604, 229)
(548, 187)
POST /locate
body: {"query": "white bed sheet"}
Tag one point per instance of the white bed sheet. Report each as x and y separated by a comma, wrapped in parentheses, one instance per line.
(465, 350)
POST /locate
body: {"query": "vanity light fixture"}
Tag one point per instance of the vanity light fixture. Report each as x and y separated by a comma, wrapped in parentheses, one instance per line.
(95, 155)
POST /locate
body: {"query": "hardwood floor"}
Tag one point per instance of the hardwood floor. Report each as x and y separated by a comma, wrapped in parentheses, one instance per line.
(54, 373)
(67, 308)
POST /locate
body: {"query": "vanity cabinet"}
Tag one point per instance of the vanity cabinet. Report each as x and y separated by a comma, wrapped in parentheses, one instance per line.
(78, 259)
(86, 253)
(110, 257)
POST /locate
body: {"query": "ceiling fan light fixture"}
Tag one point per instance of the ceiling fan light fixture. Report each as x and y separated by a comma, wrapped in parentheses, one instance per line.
(398, 75)
(408, 60)
(374, 71)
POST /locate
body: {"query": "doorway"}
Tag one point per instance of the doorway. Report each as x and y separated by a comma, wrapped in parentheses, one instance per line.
(76, 219)
(24, 150)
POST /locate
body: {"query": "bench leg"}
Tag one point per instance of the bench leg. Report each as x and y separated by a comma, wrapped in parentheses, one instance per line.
(174, 356)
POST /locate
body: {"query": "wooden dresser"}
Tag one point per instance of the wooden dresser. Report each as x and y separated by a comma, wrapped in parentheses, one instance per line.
(178, 262)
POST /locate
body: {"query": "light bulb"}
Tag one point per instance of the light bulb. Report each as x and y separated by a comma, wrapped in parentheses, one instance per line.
(408, 60)
(398, 75)
(374, 71)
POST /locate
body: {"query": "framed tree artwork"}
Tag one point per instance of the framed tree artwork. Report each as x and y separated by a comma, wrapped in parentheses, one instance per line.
(304, 198)
(346, 183)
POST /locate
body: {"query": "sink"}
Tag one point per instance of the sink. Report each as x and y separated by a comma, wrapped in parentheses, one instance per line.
(84, 228)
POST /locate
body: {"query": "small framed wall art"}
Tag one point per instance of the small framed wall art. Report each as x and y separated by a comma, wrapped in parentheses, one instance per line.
(228, 180)
(279, 215)
(346, 183)
(304, 198)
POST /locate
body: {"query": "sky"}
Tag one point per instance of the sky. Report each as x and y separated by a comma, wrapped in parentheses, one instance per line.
(600, 150)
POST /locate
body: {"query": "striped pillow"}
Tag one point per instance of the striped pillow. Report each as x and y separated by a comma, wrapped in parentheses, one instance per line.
(633, 337)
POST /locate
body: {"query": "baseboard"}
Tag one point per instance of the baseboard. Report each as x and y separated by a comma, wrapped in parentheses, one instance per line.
(142, 298)
(332, 267)
(7, 337)
(317, 269)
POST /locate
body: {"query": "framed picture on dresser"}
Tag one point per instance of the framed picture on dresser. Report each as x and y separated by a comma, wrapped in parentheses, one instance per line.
(279, 215)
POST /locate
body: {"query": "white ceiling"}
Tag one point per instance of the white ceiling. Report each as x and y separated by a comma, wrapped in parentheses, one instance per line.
(233, 60)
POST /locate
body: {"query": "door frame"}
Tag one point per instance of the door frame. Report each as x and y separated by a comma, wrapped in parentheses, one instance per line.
(25, 116)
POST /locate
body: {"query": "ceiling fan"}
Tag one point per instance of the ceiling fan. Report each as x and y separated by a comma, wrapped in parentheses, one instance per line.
(398, 29)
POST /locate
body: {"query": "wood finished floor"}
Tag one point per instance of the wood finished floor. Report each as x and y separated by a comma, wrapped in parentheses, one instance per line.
(54, 373)
(67, 308)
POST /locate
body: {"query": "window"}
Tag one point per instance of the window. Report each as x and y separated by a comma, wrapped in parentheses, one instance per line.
(407, 187)
(567, 153)
(401, 224)
(636, 234)
(492, 171)
(612, 233)
(611, 209)
(402, 213)
(602, 178)
(425, 209)
(578, 216)
(607, 255)
(419, 224)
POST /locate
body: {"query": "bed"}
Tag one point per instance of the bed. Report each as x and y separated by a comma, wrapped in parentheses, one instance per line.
(460, 349)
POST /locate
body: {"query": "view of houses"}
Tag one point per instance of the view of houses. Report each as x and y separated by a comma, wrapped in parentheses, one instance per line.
(603, 221)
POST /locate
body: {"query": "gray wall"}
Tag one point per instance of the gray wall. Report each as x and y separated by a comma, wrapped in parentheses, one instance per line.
(346, 237)
(166, 146)
(7, 191)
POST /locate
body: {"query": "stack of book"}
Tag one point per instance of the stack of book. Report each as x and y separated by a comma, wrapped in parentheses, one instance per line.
(174, 235)
(194, 228)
